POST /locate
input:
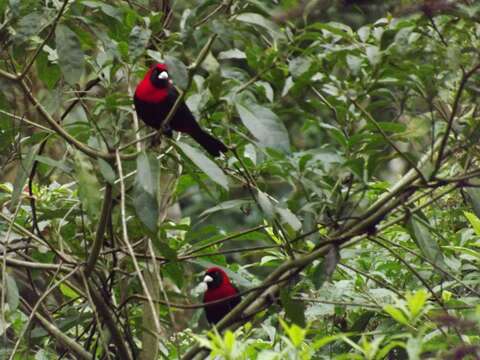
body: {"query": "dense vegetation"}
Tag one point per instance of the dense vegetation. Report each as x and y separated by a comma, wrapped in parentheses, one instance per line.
(347, 211)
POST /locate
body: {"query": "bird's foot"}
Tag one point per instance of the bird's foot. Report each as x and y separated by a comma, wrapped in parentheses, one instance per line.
(156, 139)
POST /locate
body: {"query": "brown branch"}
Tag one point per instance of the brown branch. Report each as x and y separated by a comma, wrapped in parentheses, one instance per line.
(103, 309)
(100, 236)
(58, 334)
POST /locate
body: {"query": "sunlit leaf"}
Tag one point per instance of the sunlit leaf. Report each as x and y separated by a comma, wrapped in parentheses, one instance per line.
(264, 125)
(474, 221)
(138, 41)
(205, 164)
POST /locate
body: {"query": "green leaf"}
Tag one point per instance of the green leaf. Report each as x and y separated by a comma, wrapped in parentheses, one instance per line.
(68, 291)
(205, 164)
(467, 251)
(138, 41)
(88, 186)
(29, 25)
(109, 10)
(373, 55)
(70, 54)
(294, 309)
(265, 125)
(232, 54)
(417, 301)
(318, 344)
(47, 72)
(298, 66)
(420, 232)
(54, 163)
(396, 314)
(226, 205)
(474, 221)
(289, 218)
(107, 171)
(295, 333)
(147, 173)
(259, 20)
(178, 71)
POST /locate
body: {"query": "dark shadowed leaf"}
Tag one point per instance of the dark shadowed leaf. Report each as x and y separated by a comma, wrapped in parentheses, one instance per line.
(294, 309)
(70, 54)
(175, 271)
(88, 186)
(265, 125)
(164, 248)
(145, 190)
(22, 175)
(146, 206)
(419, 230)
(13, 298)
(205, 164)
(325, 269)
(473, 196)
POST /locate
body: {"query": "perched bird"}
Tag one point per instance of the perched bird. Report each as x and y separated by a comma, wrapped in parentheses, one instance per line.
(219, 287)
(154, 98)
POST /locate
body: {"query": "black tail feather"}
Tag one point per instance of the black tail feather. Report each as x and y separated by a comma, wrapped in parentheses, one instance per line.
(208, 142)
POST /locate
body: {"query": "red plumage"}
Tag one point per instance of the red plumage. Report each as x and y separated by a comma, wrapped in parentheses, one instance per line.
(147, 92)
(155, 96)
(219, 287)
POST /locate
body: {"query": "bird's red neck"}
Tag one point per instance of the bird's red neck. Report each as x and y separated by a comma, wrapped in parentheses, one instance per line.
(147, 92)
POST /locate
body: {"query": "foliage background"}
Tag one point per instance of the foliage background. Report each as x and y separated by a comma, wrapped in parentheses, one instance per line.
(347, 210)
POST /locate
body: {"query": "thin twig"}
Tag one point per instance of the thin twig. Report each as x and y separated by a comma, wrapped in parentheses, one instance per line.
(129, 245)
(456, 104)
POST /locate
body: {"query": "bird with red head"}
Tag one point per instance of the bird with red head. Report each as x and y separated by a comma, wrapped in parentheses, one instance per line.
(155, 96)
(219, 287)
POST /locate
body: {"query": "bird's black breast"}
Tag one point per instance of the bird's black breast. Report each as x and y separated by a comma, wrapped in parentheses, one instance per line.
(217, 312)
(153, 114)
